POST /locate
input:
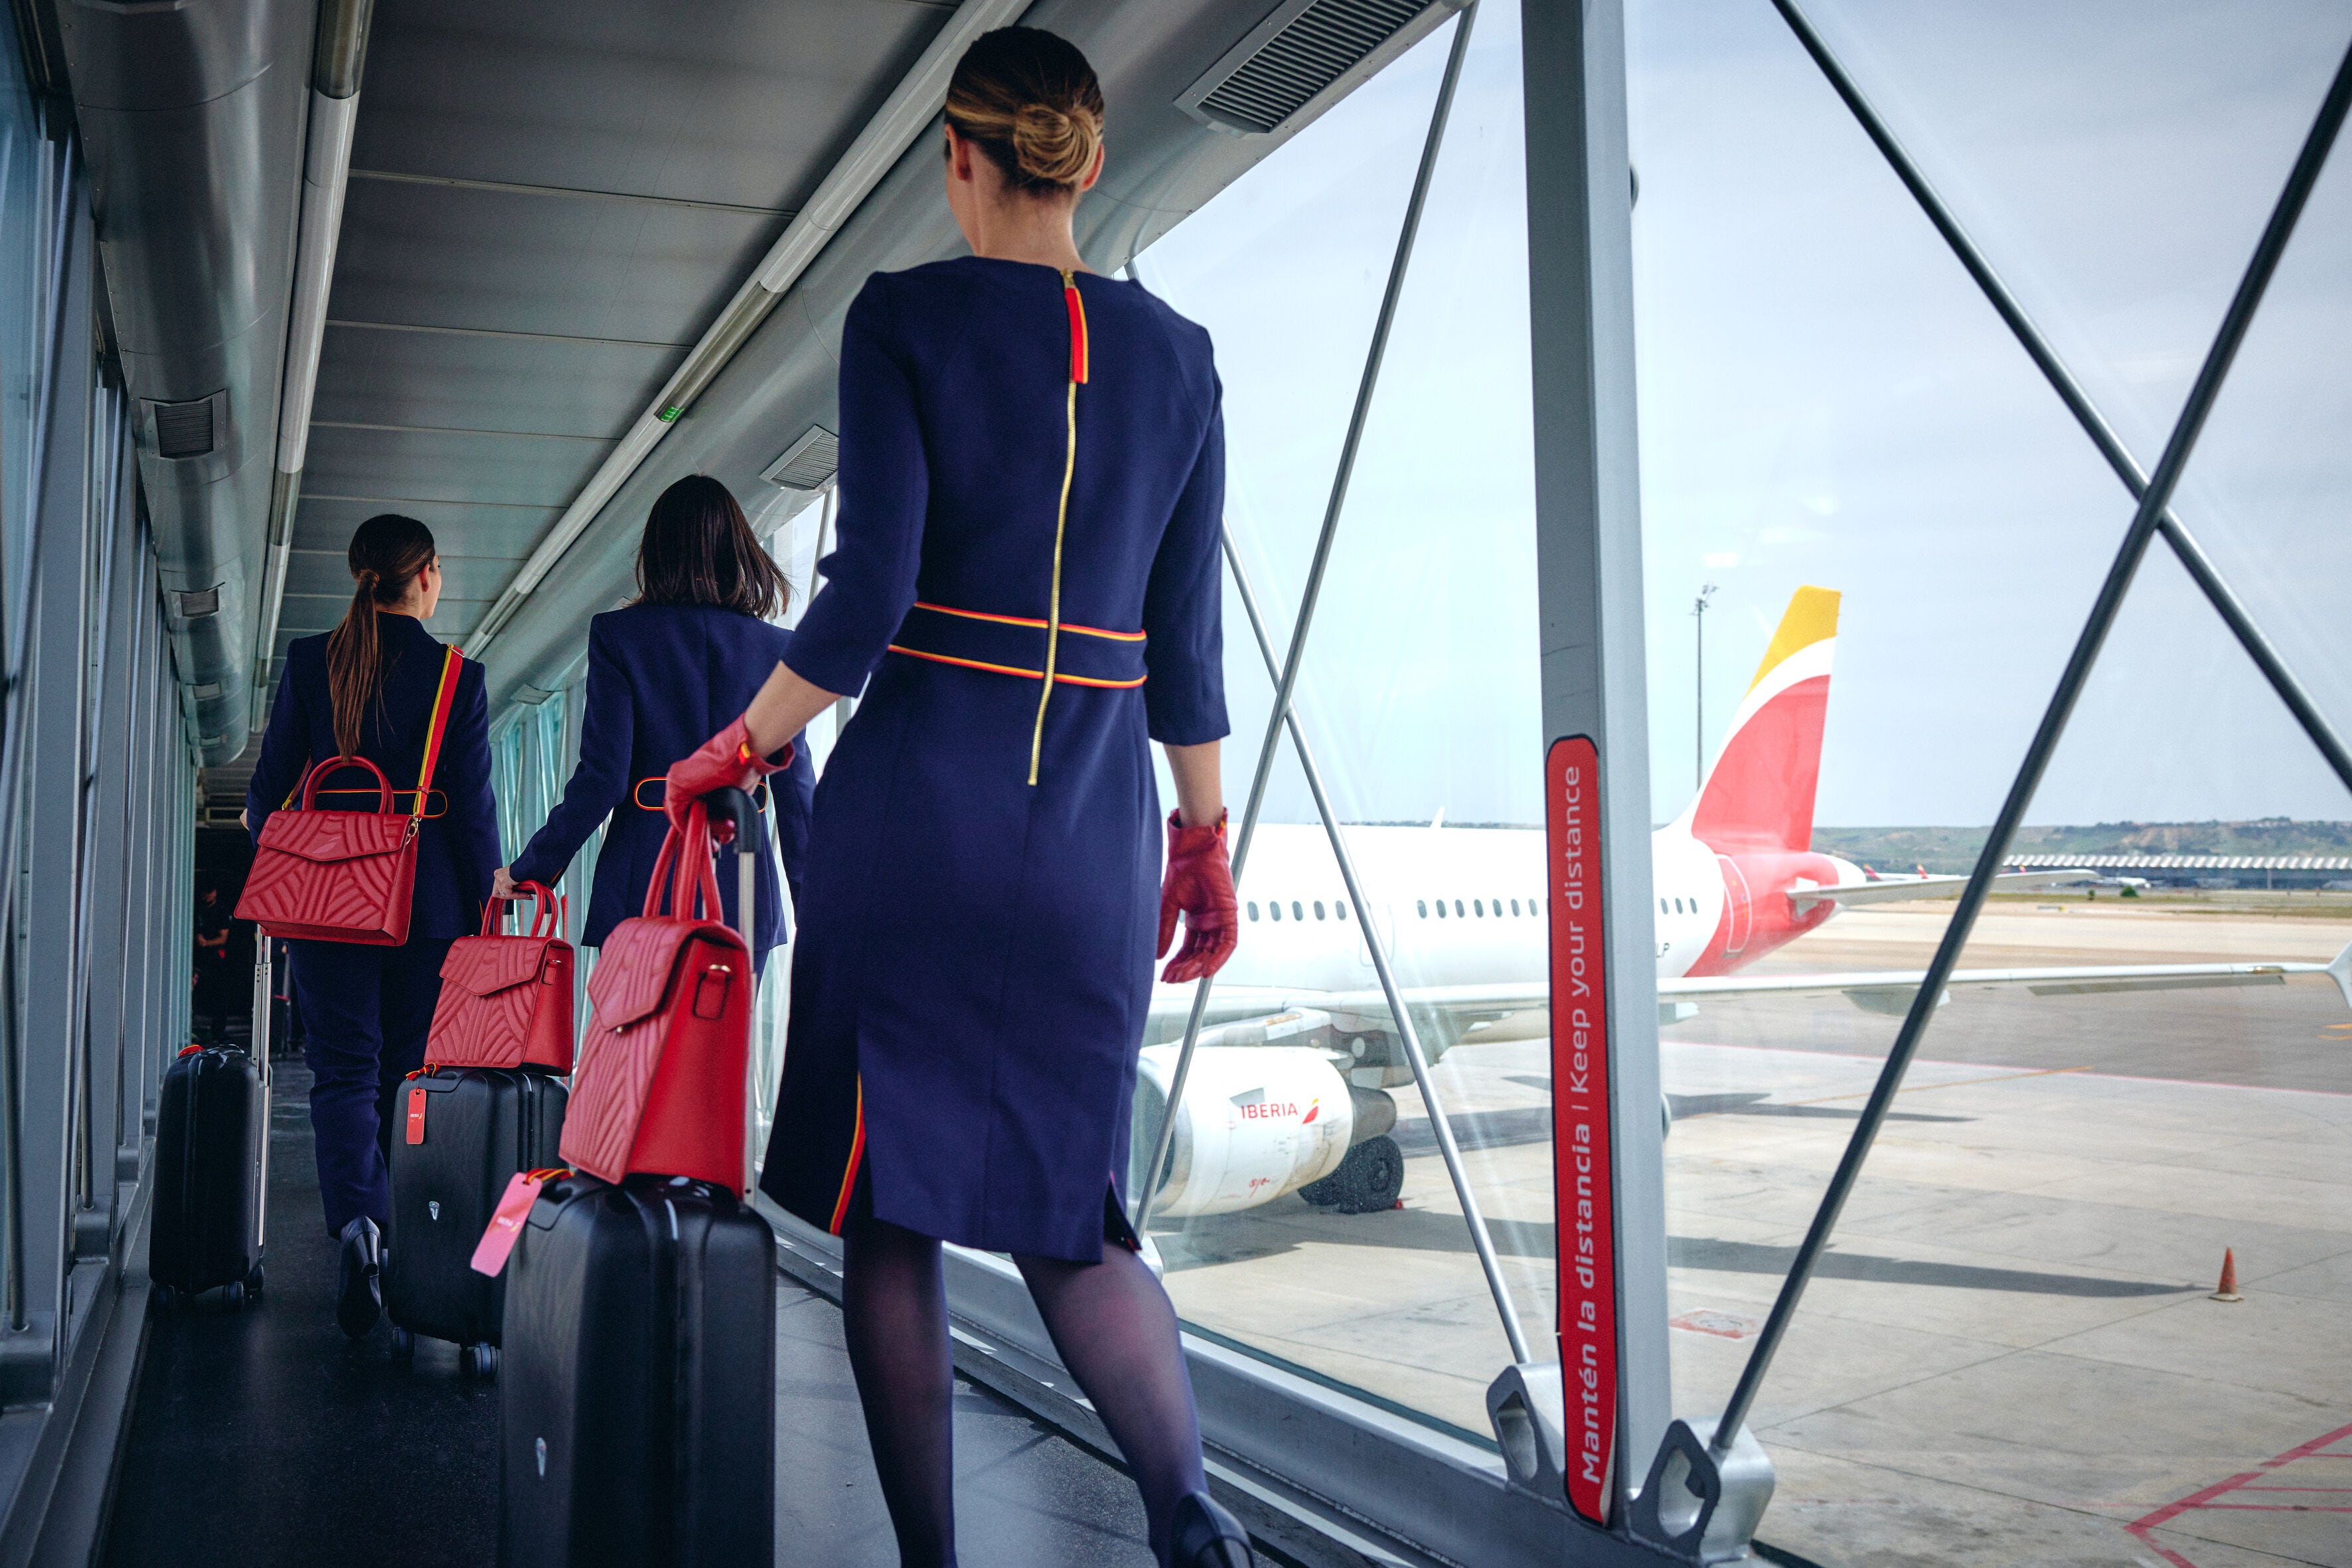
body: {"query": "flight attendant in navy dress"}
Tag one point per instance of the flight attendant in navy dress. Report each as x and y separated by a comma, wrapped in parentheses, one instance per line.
(367, 688)
(663, 672)
(1026, 591)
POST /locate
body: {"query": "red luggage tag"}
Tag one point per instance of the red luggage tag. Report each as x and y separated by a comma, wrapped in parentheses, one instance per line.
(506, 1222)
(416, 1113)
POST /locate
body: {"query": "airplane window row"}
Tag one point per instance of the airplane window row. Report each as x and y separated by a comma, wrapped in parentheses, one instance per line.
(1678, 908)
(1298, 908)
(1477, 909)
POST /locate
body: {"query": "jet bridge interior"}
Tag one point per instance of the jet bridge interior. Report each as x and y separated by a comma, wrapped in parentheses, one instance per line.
(268, 268)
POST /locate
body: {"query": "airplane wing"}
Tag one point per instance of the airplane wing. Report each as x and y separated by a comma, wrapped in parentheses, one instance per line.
(1459, 1007)
(1804, 895)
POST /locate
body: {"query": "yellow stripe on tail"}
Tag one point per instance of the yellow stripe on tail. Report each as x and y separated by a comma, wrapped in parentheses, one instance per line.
(1811, 616)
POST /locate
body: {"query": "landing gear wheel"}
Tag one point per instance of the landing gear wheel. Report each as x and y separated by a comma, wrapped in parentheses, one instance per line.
(1367, 1181)
(254, 1280)
(480, 1361)
(404, 1343)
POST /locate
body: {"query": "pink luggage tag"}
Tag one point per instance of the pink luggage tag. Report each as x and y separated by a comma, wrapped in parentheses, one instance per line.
(506, 1222)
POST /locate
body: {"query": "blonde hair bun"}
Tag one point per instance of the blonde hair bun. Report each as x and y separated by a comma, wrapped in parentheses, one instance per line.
(1053, 146)
(1033, 103)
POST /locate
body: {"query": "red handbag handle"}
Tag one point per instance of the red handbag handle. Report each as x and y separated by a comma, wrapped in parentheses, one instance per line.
(311, 782)
(685, 865)
(494, 913)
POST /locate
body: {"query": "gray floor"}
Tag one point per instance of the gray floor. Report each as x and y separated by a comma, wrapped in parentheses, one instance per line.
(263, 1438)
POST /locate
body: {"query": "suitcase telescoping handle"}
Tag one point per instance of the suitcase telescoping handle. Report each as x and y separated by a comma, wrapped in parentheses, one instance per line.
(264, 998)
(733, 806)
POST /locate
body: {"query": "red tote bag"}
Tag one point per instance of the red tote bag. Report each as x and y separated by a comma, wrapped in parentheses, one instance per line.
(345, 876)
(506, 1001)
(659, 1088)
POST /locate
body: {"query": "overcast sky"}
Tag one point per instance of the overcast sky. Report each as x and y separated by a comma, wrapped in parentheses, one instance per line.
(1823, 398)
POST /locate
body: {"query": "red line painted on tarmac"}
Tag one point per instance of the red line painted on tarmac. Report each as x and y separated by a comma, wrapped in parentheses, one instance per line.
(2203, 1498)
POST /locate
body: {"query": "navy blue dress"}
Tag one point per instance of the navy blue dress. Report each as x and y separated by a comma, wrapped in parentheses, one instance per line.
(970, 988)
(366, 1010)
(661, 679)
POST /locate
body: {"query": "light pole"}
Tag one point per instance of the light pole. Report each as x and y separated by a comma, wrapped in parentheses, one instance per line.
(1698, 625)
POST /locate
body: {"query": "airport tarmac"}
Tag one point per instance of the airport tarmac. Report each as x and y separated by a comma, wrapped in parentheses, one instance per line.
(2010, 1355)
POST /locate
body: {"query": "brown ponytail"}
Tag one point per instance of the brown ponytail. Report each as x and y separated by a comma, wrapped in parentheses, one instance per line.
(1031, 102)
(387, 552)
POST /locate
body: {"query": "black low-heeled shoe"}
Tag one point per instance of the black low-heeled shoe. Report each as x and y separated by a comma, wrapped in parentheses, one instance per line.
(1205, 1536)
(359, 1300)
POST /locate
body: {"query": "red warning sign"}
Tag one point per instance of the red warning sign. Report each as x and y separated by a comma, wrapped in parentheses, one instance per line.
(1580, 1150)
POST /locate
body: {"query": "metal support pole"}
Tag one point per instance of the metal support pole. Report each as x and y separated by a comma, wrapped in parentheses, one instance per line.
(2045, 359)
(1447, 1149)
(1287, 681)
(2308, 164)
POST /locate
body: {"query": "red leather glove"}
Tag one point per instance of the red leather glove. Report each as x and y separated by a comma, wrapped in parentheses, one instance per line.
(1200, 882)
(723, 762)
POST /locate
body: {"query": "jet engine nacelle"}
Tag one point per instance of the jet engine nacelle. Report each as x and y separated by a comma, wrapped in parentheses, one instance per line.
(1257, 1122)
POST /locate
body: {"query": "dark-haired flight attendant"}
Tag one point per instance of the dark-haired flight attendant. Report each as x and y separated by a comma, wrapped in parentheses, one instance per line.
(663, 672)
(367, 688)
(1028, 592)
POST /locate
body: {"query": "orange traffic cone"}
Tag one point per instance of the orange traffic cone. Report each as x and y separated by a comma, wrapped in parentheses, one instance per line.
(2227, 1290)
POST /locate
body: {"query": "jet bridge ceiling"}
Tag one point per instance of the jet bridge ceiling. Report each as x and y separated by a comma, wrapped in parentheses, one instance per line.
(551, 202)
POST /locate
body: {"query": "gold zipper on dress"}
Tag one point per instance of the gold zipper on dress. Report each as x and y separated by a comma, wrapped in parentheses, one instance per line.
(1077, 311)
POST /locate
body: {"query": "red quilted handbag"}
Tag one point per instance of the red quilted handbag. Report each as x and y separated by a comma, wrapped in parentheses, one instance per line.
(506, 1001)
(345, 876)
(659, 1088)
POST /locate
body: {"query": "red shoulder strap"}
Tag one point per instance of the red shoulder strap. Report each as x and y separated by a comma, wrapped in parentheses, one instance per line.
(443, 699)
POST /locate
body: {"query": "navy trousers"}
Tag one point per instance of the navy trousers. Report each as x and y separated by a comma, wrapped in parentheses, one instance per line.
(365, 1014)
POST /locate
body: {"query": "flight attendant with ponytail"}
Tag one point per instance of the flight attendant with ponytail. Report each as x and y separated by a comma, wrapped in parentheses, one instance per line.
(1027, 593)
(368, 689)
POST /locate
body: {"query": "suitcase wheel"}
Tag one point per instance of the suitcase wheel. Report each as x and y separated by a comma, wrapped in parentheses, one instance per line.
(233, 1294)
(254, 1280)
(480, 1361)
(404, 1343)
(165, 1297)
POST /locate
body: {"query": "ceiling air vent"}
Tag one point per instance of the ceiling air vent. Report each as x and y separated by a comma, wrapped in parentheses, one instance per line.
(1307, 48)
(808, 464)
(190, 430)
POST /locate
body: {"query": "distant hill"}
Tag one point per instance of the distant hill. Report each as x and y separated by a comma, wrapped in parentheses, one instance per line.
(1955, 849)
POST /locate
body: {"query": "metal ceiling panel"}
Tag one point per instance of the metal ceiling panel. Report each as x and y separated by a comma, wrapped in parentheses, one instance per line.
(456, 256)
(483, 381)
(325, 521)
(405, 465)
(744, 102)
(326, 574)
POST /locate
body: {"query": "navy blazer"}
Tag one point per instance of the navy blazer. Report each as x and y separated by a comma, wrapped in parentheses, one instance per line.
(457, 849)
(662, 679)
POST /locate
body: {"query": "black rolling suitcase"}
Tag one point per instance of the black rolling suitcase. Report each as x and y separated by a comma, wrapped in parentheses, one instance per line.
(459, 1136)
(212, 1165)
(637, 1399)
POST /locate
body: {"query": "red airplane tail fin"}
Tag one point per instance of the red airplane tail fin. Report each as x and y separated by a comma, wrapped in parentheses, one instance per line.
(1760, 793)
